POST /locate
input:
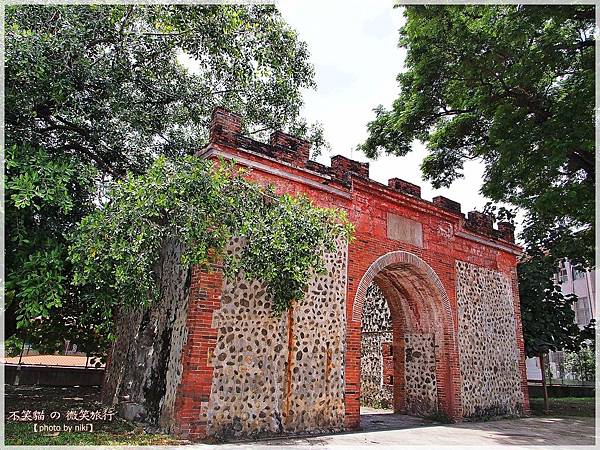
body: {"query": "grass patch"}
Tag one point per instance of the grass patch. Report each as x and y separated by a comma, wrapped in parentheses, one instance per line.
(38, 398)
(23, 434)
(565, 406)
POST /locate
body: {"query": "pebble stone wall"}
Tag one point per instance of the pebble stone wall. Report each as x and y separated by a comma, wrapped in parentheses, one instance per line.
(489, 356)
(210, 360)
(376, 329)
(419, 374)
(420, 387)
(279, 374)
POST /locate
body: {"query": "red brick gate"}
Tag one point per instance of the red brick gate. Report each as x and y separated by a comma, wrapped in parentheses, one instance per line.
(408, 246)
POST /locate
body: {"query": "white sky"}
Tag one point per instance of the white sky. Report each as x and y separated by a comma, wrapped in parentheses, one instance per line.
(353, 46)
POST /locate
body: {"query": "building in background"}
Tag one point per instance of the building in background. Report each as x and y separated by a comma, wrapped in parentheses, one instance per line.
(582, 284)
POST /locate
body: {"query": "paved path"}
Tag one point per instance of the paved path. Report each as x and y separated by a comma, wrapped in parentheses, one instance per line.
(386, 431)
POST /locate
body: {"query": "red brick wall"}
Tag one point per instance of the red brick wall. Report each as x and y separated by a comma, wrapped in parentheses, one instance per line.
(388, 363)
(447, 237)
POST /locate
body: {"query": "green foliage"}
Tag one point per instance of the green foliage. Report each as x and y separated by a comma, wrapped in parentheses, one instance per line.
(96, 91)
(107, 82)
(582, 364)
(547, 315)
(13, 346)
(202, 206)
(376, 402)
(513, 87)
(44, 196)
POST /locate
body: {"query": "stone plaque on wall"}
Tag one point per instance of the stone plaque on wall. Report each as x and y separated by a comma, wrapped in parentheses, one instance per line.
(403, 229)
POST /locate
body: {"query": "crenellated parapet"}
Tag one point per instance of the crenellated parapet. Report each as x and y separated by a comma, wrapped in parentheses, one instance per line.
(342, 167)
(291, 149)
(482, 223)
(226, 130)
(405, 187)
(447, 204)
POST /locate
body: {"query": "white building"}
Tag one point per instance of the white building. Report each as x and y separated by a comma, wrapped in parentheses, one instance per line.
(582, 284)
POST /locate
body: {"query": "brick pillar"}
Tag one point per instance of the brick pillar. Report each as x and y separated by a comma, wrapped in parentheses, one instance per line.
(197, 372)
(352, 366)
(520, 340)
(450, 398)
(290, 148)
(225, 127)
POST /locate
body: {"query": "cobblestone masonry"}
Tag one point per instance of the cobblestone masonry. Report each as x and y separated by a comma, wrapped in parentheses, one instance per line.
(279, 374)
(419, 375)
(489, 359)
(376, 331)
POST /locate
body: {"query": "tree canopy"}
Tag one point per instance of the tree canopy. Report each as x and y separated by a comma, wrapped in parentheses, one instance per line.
(582, 364)
(95, 92)
(513, 87)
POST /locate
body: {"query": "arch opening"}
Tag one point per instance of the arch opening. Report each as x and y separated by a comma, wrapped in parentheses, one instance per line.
(407, 339)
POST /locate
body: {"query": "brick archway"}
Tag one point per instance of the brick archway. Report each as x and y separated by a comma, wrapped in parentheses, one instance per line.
(418, 303)
(399, 258)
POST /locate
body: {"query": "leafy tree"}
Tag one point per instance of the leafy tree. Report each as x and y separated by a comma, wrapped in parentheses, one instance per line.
(582, 364)
(547, 315)
(116, 247)
(13, 346)
(45, 196)
(94, 92)
(511, 86)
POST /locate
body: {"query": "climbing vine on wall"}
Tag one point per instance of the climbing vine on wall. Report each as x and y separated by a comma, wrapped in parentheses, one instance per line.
(202, 205)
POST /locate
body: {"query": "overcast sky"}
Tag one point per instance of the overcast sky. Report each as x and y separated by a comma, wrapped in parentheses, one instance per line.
(353, 46)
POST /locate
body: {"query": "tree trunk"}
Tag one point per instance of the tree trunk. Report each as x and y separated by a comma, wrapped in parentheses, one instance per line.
(544, 387)
(145, 360)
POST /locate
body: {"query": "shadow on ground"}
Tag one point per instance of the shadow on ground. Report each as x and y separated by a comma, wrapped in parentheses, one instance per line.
(384, 419)
(385, 427)
(381, 428)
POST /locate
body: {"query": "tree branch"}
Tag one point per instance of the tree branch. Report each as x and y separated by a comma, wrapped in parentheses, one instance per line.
(90, 154)
(584, 160)
(452, 112)
(159, 34)
(125, 19)
(260, 130)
